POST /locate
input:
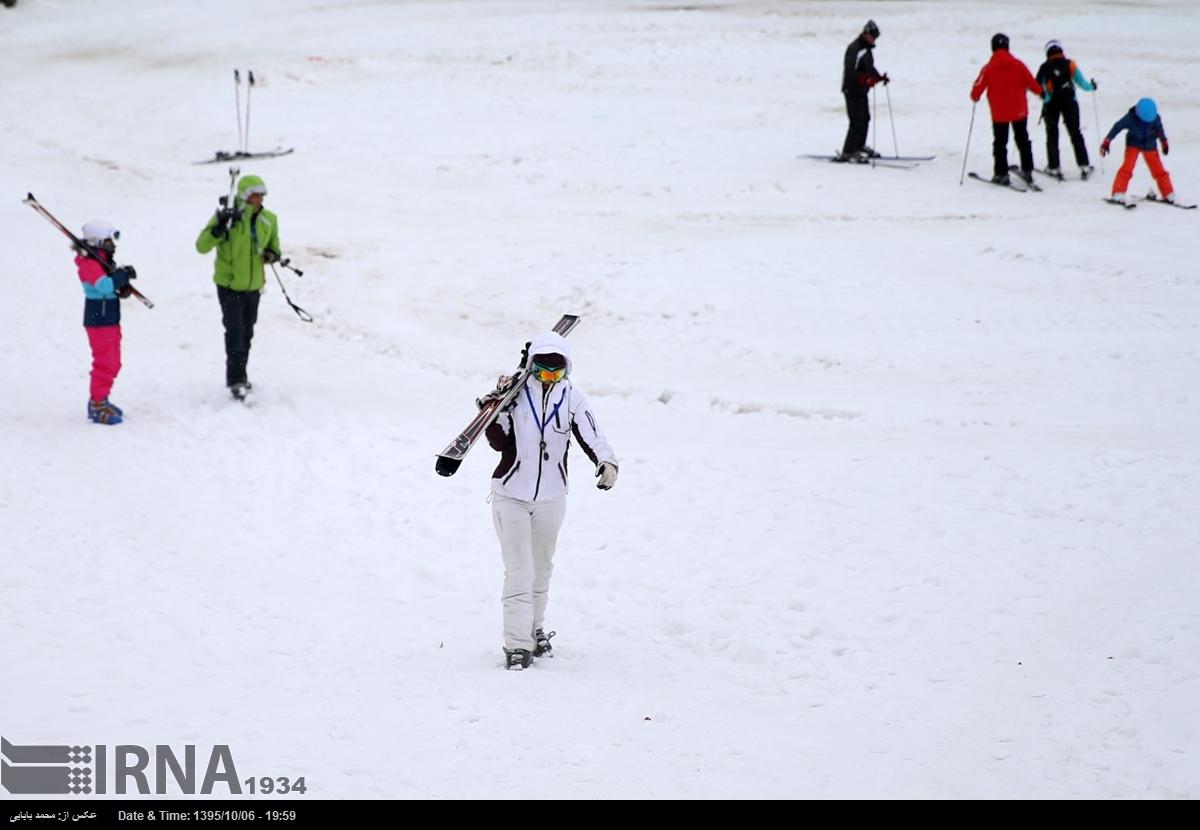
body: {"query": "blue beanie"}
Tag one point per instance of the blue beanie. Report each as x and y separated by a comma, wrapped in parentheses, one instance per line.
(1147, 110)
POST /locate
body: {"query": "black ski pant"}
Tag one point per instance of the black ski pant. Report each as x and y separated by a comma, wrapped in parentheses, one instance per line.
(1020, 131)
(1069, 110)
(859, 112)
(239, 313)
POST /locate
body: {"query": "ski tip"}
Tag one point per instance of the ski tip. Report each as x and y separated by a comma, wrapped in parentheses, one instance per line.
(29, 198)
(447, 466)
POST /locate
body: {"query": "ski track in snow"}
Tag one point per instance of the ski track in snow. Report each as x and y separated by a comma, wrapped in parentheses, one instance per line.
(908, 470)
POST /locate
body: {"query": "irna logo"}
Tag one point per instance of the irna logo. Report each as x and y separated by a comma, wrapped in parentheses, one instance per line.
(125, 768)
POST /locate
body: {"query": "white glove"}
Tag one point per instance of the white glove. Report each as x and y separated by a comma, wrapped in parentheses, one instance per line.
(502, 386)
(606, 471)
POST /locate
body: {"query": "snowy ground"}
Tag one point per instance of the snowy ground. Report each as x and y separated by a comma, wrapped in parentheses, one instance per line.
(909, 473)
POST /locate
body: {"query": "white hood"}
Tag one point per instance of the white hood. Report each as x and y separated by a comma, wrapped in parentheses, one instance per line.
(549, 343)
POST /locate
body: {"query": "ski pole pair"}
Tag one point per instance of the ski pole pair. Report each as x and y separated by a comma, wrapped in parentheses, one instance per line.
(243, 138)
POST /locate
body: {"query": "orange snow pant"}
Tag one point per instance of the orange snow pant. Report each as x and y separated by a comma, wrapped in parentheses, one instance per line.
(1161, 177)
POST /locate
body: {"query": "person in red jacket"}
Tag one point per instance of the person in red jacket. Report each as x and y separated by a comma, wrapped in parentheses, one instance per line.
(1006, 81)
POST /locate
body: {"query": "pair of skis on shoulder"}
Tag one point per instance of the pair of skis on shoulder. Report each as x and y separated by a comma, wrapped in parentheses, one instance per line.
(108, 266)
(449, 459)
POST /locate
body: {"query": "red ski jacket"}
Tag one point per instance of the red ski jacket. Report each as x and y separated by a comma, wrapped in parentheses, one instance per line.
(1006, 79)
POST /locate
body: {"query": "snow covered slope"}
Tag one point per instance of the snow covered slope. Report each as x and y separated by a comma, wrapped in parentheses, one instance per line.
(909, 476)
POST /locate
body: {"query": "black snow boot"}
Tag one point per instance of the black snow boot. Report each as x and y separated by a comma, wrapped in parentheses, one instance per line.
(517, 659)
(542, 647)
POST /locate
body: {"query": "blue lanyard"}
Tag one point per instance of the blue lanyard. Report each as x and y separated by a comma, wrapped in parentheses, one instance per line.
(537, 418)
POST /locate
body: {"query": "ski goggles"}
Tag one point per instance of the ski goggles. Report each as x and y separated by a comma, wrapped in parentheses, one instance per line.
(549, 374)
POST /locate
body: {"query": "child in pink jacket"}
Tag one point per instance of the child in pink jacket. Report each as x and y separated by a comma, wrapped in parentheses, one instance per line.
(103, 288)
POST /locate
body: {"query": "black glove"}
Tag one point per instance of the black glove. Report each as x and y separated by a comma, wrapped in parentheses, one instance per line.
(525, 354)
(1095, 86)
(224, 217)
(129, 272)
(884, 79)
(270, 256)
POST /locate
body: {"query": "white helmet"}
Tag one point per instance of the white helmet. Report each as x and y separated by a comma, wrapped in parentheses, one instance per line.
(98, 230)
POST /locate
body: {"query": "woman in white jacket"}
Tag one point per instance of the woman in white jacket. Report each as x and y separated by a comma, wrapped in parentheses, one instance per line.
(529, 488)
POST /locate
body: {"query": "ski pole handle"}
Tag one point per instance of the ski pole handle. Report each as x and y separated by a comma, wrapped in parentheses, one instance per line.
(286, 263)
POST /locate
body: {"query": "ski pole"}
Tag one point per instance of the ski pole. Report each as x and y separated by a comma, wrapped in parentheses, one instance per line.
(237, 100)
(895, 146)
(874, 123)
(249, 89)
(301, 313)
(1096, 113)
(974, 104)
(81, 245)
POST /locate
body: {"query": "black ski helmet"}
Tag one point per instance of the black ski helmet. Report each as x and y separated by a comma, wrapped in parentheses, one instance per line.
(999, 41)
(871, 29)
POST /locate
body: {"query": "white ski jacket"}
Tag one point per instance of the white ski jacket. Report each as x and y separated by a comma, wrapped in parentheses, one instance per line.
(535, 435)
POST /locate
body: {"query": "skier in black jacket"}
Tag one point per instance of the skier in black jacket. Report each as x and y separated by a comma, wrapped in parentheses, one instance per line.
(858, 76)
(1059, 76)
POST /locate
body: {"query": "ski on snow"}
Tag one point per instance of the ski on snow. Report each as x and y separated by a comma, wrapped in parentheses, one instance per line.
(1150, 197)
(874, 161)
(1083, 176)
(449, 459)
(238, 155)
(1012, 168)
(1011, 185)
(1126, 205)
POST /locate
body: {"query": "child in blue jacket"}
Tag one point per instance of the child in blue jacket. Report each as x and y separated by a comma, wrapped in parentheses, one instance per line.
(1145, 131)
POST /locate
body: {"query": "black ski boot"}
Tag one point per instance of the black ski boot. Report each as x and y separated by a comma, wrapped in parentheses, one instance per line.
(517, 659)
(240, 390)
(542, 647)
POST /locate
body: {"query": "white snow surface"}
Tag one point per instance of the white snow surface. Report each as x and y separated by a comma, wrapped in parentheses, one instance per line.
(909, 470)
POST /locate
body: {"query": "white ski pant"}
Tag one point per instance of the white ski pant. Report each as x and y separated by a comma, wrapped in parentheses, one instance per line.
(528, 531)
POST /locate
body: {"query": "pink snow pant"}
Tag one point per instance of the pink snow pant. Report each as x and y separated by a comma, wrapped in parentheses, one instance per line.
(528, 532)
(1161, 177)
(106, 358)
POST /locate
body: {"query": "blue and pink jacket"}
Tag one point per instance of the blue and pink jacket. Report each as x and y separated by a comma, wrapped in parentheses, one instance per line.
(101, 306)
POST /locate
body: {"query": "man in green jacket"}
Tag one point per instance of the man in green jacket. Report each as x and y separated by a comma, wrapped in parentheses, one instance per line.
(245, 236)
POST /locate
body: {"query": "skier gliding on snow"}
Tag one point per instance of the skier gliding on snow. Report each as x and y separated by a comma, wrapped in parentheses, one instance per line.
(529, 487)
(1145, 131)
(1059, 77)
(1006, 80)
